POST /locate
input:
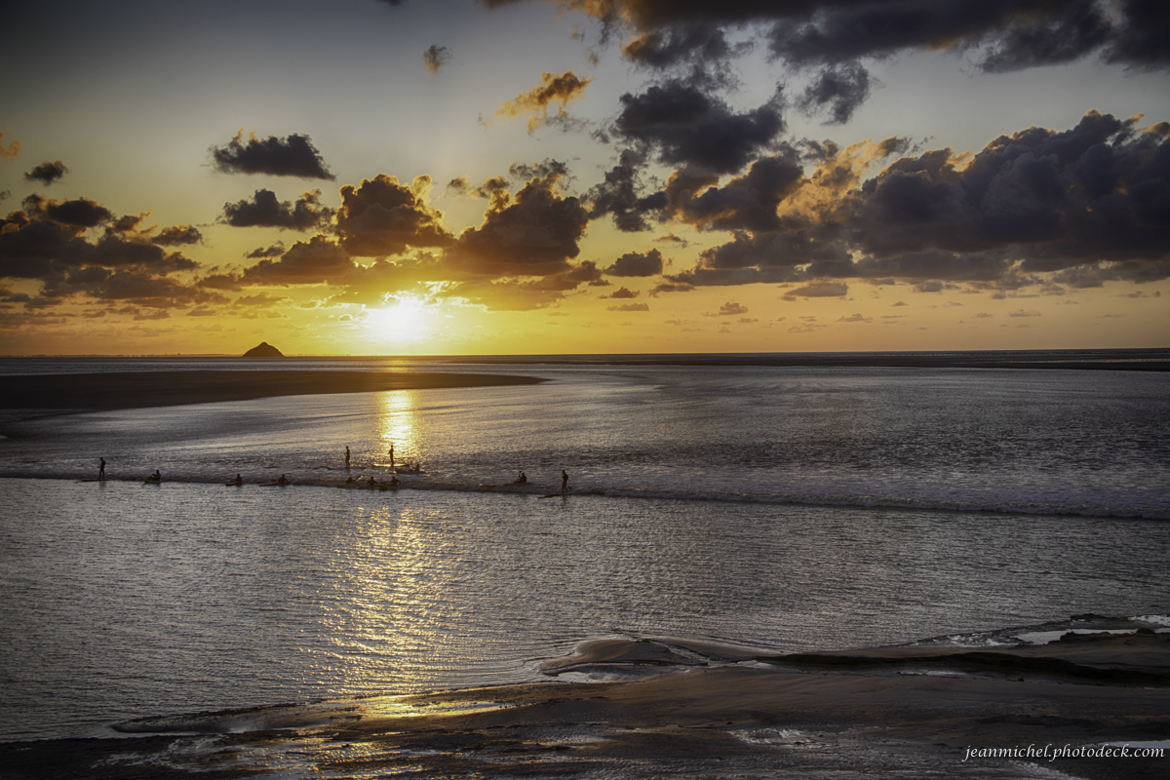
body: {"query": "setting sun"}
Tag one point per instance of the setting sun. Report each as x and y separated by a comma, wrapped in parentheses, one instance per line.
(403, 318)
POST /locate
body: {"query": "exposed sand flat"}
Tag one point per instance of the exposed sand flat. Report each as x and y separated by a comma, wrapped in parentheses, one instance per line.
(130, 390)
(757, 720)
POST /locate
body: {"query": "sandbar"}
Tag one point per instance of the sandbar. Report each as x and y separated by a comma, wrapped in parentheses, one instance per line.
(57, 393)
(677, 709)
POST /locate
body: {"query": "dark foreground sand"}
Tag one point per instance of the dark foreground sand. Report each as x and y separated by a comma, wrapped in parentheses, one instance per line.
(889, 712)
(56, 393)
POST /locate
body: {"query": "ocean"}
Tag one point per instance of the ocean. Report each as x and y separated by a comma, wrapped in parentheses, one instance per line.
(755, 503)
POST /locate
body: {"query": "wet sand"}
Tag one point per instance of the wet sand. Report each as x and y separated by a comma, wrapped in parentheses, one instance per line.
(57, 393)
(704, 711)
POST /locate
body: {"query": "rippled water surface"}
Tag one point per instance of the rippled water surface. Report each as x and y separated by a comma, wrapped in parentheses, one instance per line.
(786, 508)
(128, 599)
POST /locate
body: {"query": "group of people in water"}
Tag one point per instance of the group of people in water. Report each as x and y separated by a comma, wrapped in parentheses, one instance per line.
(391, 484)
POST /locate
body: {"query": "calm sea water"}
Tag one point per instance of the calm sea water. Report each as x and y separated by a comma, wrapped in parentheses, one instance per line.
(780, 507)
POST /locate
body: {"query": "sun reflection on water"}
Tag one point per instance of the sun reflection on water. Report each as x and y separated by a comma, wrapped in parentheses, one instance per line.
(397, 425)
(395, 579)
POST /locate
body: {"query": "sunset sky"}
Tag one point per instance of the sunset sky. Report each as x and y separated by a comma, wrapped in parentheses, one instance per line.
(565, 176)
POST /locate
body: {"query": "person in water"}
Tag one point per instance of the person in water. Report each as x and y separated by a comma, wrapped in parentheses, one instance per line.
(522, 478)
(102, 470)
(238, 480)
(282, 481)
(390, 452)
(564, 481)
(155, 477)
(347, 457)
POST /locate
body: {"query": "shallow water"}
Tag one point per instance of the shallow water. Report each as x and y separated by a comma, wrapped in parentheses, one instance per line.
(785, 508)
(122, 600)
(1092, 443)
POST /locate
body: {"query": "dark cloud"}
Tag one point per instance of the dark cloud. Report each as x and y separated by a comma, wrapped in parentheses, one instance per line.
(265, 210)
(80, 213)
(1079, 29)
(838, 91)
(436, 57)
(685, 126)
(1142, 39)
(622, 292)
(317, 261)
(552, 90)
(535, 234)
(702, 50)
(151, 291)
(291, 156)
(637, 264)
(630, 307)
(49, 244)
(130, 223)
(275, 250)
(112, 266)
(748, 202)
(177, 235)
(47, 172)
(1036, 202)
(618, 195)
(545, 169)
(827, 35)
(384, 217)
(796, 242)
(1052, 199)
(115, 251)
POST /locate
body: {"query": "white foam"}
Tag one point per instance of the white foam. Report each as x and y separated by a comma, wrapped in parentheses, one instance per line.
(1048, 637)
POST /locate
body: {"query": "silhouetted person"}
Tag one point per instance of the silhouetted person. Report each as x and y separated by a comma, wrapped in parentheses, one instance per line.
(394, 482)
(564, 481)
(102, 470)
(282, 481)
(156, 477)
(391, 453)
(238, 480)
(522, 478)
(347, 457)
(373, 482)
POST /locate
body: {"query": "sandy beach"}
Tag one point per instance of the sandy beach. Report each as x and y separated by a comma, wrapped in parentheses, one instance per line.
(55, 393)
(674, 708)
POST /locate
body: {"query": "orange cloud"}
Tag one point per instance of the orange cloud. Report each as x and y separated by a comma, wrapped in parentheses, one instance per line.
(12, 149)
(559, 90)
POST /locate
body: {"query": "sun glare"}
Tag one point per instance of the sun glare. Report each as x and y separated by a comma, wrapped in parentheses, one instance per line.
(404, 319)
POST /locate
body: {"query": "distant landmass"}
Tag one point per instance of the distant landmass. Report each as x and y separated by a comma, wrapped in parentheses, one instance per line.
(264, 349)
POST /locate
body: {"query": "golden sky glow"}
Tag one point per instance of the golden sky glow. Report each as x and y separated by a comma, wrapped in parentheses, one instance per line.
(371, 177)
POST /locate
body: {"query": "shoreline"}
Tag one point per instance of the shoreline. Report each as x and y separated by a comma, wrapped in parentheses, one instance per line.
(51, 394)
(693, 709)
(1107, 359)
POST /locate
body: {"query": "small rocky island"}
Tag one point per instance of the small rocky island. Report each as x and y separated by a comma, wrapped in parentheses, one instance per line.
(264, 349)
